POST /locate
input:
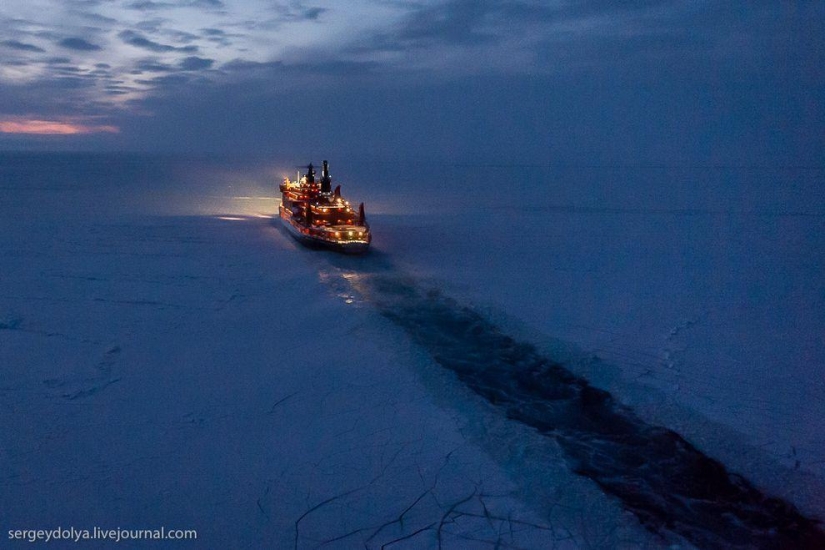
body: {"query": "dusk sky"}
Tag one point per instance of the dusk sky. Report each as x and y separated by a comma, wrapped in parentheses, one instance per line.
(641, 81)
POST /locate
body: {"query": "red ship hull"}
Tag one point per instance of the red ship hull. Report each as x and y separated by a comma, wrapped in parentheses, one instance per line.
(331, 238)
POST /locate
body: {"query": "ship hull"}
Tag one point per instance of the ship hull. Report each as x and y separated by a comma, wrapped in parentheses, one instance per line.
(306, 237)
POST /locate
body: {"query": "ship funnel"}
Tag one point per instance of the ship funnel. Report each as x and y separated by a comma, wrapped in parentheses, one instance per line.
(337, 191)
(362, 216)
(310, 173)
(326, 181)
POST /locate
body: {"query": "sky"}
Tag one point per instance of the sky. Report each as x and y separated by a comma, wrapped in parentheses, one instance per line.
(634, 81)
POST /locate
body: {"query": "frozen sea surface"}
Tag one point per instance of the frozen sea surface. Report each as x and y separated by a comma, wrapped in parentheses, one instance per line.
(172, 358)
(701, 288)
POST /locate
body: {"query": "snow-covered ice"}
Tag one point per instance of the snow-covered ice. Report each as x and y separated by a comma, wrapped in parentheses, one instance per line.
(171, 358)
(694, 294)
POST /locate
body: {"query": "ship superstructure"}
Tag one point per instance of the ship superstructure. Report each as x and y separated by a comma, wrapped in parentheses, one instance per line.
(316, 214)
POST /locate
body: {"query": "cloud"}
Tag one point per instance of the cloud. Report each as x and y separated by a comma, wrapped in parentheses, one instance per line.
(504, 27)
(95, 17)
(312, 14)
(78, 44)
(243, 65)
(455, 23)
(68, 69)
(117, 89)
(139, 41)
(297, 11)
(21, 46)
(167, 81)
(152, 66)
(153, 25)
(181, 37)
(219, 36)
(321, 68)
(86, 3)
(150, 5)
(196, 63)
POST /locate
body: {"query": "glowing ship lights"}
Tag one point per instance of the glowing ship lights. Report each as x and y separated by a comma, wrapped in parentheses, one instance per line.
(317, 215)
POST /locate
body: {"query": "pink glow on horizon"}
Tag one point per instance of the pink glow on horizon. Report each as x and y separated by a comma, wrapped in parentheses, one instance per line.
(52, 127)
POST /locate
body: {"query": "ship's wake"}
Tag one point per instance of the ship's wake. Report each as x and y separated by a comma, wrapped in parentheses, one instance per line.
(669, 485)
